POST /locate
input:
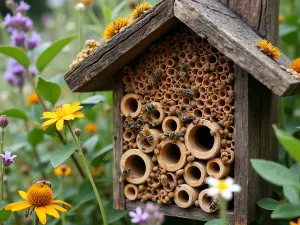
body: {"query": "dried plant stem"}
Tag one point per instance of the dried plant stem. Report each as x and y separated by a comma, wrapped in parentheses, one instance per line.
(223, 210)
(88, 172)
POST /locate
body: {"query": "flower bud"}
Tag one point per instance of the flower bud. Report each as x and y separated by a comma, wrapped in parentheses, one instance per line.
(80, 7)
(3, 121)
(77, 132)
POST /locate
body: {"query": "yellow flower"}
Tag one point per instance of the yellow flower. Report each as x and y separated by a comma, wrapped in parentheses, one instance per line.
(32, 99)
(62, 170)
(86, 2)
(298, 223)
(280, 19)
(61, 114)
(39, 197)
(269, 49)
(91, 128)
(295, 65)
(115, 27)
(140, 10)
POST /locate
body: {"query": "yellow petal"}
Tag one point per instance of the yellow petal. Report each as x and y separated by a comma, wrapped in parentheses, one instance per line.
(61, 209)
(49, 115)
(60, 202)
(60, 125)
(40, 212)
(66, 108)
(10, 206)
(23, 194)
(21, 206)
(51, 211)
(48, 123)
(75, 107)
(69, 117)
(78, 114)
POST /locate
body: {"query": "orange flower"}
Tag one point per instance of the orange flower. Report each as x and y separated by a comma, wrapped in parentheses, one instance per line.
(62, 170)
(295, 65)
(115, 27)
(269, 49)
(33, 99)
(86, 2)
(293, 223)
(91, 128)
(140, 10)
(280, 19)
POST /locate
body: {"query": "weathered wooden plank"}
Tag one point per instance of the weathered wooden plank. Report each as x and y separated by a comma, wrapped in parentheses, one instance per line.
(174, 210)
(227, 32)
(119, 199)
(96, 71)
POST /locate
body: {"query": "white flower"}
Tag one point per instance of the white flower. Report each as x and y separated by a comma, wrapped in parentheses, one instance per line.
(225, 188)
(80, 7)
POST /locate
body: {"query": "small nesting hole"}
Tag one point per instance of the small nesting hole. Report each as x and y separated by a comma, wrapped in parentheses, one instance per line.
(193, 173)
(131, 192)
(198, 113)
(183, 196)
(171, 125)
(131, 105)
(214, 167)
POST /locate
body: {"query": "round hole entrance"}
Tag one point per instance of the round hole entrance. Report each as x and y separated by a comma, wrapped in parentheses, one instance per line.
(214, 167)
(203, 139)
(206, 199)
(137, 165)
(155, 114)
(183, 196)
(193, 173)
(131, 191)
(171, 125)
(170, 154)
(131, 105)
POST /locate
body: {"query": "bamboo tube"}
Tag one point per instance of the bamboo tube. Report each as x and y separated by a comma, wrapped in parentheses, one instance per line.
(205, 83)
(217, 169)
(127, 79)
(185, 196)
(140, 164)
(214, 98)
(200, 104)
(168, 95)
(170, 72)
(197, 113)
(158, 96)
(202, 90)
(203, 140)
(131, 192)
(141, 85)
(203, 60)
(131, 104)
(194, 72)
(172, 124)
(199, 80)
(227, 108)
(228, 88)
(172, 155)
(171, 62)
(196, 94)
(168, 181)
(209, 103)
(128, 135)
(221, 103)
(156, 116)
(162, 67)
(174, 97)
(222, 60)
(205, 202)
(195, 174)
(181, 55)
(222, 94)
(144, 145)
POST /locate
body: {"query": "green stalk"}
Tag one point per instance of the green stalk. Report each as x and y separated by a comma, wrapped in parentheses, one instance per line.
(36, 220)
(94, 18)
(80, 30)
(223, 210)
(1, 166)
(63, 218)
(88, 172)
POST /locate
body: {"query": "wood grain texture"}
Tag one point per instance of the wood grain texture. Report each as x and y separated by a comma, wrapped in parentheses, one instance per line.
(119, 198)
(174, 210)
(235, 39)
(97, 70)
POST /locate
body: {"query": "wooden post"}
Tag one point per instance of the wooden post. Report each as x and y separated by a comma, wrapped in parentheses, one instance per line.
(256, 109)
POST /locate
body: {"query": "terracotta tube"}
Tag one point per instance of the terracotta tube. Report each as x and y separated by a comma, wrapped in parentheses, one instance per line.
(172, 155)
(181, 55)
(156, 116)
(195, 174)
(131, 104)
(128, 135)
(200, 103)
(162, 67)
(171, 72)
(222, 94)
(203, 140)
(127, 79)
(168, 181)
(209, 103)
(203, 60)
(185, 101)
(172, 124)
(227, 108)
(140, 164)
(194, 72)
(205, 201)
(131, 192)
(197, 113)
(185, 196)
(144, 145)
(174, 96)
(217, 169)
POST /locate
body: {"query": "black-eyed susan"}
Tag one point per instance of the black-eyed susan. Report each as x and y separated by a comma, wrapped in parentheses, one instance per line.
(91, 128)
(39, 198)
(62, 170)
(295, 65)
(61, 114)
(140, 10)
(269, 49)
(280, 19)
(293, 223)
(115, 27)
(33, 99)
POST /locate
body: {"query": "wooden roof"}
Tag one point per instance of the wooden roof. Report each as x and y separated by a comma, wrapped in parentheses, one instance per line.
(210, 19)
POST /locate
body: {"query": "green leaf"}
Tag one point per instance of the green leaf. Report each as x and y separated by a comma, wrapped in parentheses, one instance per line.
(90, 143)
(62, 154)
(35, 136)
(97, 157)
(116, 11)
(114, 215)
(5, 214)
(291, 194)
(295, 169)
(273, 172)
(46, 56)
(286, 211)
(91, 101)
(291, 144)
(268, 203)
(215, 222)
(48, 90)
(17, 53)
(15, 113)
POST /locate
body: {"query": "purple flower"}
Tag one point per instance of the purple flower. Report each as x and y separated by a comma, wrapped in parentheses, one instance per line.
(33, 70)
(22, 7)
(16, 68)
(33, 41)
(159, 217)
(28, 25)
(7, 158)
(18, 38)
(13, 79)
(151, 208)
(3, 121)
(139, 216)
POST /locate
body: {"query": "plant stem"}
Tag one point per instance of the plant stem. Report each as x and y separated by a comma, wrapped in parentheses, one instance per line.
(80, 30)
(223, 210)
(1, 166)
(36, 220)
(63, 218)
(88, 172)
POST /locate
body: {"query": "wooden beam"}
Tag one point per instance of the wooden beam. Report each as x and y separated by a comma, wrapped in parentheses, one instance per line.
(230, 35)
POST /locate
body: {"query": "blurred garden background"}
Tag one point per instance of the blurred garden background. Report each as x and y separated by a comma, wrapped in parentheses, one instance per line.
(56, 19)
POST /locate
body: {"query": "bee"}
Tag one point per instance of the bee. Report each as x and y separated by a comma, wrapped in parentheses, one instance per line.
(214, 203)
(149, 108)
(125, 173)
(172, 135)
(28, 212)
(154, 76)
(188, 117)
(185, 92)
(183, 67)
(149, 137)
(135, 126)
(45, 182)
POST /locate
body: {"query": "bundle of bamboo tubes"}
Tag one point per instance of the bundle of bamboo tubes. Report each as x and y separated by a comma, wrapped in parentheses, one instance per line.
(178, 113)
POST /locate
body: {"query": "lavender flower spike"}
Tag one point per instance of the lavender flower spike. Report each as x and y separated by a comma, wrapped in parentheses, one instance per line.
(7, 158)
(139, 216)
(22, 7)
(33, 41)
